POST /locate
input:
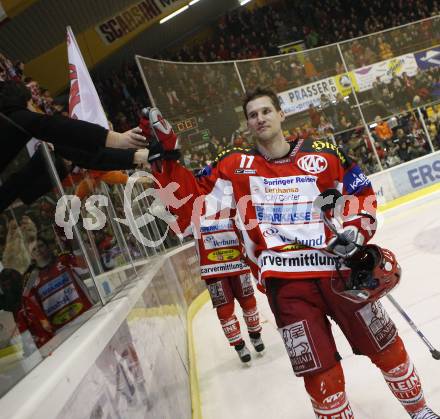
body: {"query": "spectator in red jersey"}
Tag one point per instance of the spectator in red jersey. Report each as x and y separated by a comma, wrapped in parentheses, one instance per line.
(53, 295)
(314, 115)
(409, 87)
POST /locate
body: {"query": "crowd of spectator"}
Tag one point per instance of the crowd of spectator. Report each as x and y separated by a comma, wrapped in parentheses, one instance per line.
(246, 34)
(396, 140)
(185, 90)
(123, 96)
(42, 100)
(401, 91)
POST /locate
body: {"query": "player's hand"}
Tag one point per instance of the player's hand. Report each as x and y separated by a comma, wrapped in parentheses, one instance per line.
(355, 233)
(133, 138)
(141, 157)
(346, 243)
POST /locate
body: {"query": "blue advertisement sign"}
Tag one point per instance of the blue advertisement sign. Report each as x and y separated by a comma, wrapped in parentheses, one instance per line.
(417, 175)
(429, 58)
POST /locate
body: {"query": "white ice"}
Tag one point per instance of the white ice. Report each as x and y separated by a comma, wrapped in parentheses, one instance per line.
(268, 388)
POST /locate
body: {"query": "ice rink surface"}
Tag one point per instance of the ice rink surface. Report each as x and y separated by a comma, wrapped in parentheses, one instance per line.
(268, 388)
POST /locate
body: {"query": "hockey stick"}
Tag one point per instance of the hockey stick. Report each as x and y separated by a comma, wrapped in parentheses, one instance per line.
(327, 201)
(434, 352)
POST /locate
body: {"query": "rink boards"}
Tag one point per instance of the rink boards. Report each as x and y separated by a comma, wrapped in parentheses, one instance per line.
(132, 358)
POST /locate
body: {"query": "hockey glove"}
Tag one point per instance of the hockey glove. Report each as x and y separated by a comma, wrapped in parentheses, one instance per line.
(163, 140)
(356, 232)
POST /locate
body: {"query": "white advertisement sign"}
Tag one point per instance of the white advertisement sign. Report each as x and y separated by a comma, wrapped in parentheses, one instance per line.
(300, 98)
(385, 70)
(383, 187)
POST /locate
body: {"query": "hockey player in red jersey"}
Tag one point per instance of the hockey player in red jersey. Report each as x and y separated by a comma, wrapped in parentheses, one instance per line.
(228, 278)
(273, 188)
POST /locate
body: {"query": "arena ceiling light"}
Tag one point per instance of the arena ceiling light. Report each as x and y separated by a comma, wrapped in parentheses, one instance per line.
(191, 3)
(243, 2)
(174, 14)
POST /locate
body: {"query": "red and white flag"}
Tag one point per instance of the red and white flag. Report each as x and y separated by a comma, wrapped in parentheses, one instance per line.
(84, 101)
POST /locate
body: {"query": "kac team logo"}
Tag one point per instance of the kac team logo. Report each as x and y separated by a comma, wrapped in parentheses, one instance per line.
(313, 164)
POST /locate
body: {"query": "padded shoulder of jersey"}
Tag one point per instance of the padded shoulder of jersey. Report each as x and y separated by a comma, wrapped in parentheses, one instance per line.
(326, 146)
(232, 150)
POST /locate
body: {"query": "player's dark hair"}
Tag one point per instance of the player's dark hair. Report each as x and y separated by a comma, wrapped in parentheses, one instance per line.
(260, 92)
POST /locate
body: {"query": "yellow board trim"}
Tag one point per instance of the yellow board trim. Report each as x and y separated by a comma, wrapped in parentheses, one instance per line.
(409, 197)
(193, 309)
(146, 312)
(10, 350)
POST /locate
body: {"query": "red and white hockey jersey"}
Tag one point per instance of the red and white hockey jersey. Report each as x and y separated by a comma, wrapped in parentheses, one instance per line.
(219, 249)
(52, 297)
(282, 232)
